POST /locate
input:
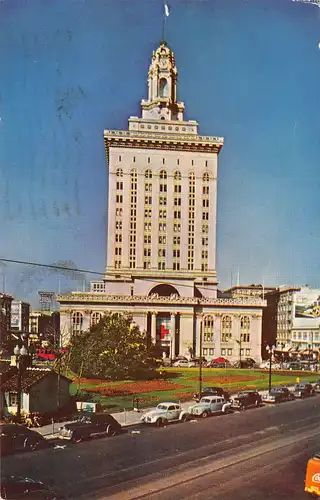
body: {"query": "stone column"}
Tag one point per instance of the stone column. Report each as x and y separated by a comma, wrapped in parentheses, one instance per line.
(154, 327)
(198, 326)
(217, 335)
(173, 335)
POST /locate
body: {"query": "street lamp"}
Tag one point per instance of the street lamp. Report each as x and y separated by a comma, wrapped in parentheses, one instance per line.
(200, 363)
(20, 354)
(270, 349)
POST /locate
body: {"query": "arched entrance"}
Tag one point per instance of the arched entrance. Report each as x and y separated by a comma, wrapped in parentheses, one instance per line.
(164, 290)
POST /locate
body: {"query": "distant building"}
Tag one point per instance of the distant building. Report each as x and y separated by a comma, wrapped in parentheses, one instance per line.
(44, 326)
(20, 313)
(5, 317)
(305, 332)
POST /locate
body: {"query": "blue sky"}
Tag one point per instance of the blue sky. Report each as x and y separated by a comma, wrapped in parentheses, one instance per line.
(249, 70)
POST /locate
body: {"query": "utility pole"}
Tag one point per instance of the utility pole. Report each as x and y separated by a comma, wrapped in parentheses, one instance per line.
(200, 365)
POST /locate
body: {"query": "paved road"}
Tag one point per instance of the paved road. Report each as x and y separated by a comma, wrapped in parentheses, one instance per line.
(87, 469)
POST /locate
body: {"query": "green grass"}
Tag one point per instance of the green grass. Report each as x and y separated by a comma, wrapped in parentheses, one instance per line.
(189, 381)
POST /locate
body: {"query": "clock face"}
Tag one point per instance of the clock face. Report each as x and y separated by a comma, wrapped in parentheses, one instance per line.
(163, 62)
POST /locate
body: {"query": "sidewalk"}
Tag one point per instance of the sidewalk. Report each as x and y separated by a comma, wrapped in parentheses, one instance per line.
(126, 418)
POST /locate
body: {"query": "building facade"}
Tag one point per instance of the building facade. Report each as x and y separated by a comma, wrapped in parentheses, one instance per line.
(5, 317)
(44, 326)
(161, 254)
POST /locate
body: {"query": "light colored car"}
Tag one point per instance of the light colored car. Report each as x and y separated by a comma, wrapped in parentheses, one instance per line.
(182, 363)
(209, 405)
(164, 413)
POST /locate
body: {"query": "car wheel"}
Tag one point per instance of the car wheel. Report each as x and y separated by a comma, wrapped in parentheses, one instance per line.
(205, 414)
(184, 418)
(31, 445)
(111, 431)
(159, 422)
(258, 403)
(76, 439)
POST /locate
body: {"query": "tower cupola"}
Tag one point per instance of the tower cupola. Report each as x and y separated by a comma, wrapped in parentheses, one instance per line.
(162, 101)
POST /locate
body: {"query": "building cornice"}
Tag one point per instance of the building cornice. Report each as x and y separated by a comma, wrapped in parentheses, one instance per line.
(163, 141)
(101, 298)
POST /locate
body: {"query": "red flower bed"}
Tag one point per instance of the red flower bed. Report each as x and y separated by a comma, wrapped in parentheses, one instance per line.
(136, 388)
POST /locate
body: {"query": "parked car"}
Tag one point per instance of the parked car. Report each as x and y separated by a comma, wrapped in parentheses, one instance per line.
(245, 363)
(208, 406)
(164, 413)
(181, 363)
(246, 399)
(88, 425)
(303, 390)
(219, 363)
(278, 395)
(316, 388)
(15, 437)
(212, 391)
(195, 362)
(14, 488)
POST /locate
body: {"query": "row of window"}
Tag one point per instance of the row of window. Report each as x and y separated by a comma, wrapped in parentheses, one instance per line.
(163, 173)
(224, 352)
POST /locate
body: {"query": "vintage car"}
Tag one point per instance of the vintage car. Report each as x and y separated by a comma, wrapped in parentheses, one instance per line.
(15, 437)
(88, 425)
(208, 406)
(26, 488)
(303, 390)
(278, 395)
(164, 413)
(316, 388)
(246, 399)
(211, 391)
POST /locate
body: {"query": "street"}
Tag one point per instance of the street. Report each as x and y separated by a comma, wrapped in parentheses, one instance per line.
(258, 453)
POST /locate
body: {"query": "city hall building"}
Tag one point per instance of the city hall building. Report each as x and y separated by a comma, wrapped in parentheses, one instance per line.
(162, 218)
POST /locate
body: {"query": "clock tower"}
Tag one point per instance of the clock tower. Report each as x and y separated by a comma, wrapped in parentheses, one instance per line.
(162, 87)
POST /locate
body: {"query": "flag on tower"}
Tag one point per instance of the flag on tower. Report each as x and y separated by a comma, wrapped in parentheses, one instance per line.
(166, 10)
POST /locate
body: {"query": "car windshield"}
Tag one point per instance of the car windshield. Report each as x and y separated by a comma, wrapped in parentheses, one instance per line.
(205, 400)
(162, 407)
(84, 419)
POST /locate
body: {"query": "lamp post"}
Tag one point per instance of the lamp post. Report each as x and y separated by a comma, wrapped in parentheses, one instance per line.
(20, 356)
(200, 364)
(270, 349)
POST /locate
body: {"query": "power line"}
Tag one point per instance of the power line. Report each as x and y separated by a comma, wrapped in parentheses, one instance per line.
(53, 266)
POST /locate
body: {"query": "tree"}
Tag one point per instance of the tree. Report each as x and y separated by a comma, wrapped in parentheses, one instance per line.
(113, 348)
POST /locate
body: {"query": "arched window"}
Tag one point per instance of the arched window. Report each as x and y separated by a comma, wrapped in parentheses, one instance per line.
(205, 177)
(163, 88)
(77, 322)
(148, 174)
(177, 175)
(226, 331)
(208, 331)
(119, 172)
(191, 176)
(163, 174)
(245, 329)
(95, 318)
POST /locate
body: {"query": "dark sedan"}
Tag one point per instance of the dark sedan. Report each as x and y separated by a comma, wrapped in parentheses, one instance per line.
(88, 425)
(316, 388)
(14, 488)
(246, 399)
(278, 395)
(212, 391)
(15, 437)
(303, 390)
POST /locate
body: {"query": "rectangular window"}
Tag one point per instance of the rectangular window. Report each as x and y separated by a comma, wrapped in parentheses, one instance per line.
(204, 351)
(162, 240)
(223, 352)
(205, 190)
(119, 224)
(120, 186)
(205, 216)
(148, 159)
(177, 202)
(176, 228)
(162, 252)
(177, 214)
(147, 238)
(147, 252)
(119, 158)
(134, 159)
(206, 163)
(176, 266)
(248, 352)
(229, 352)
(177, 188)
(176, 240)
(176, 253)
(13, 399)
(118, 250)
(204, 254)
(205, 203)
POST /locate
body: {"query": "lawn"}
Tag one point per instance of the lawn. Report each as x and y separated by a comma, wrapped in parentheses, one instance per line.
(178, 385)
